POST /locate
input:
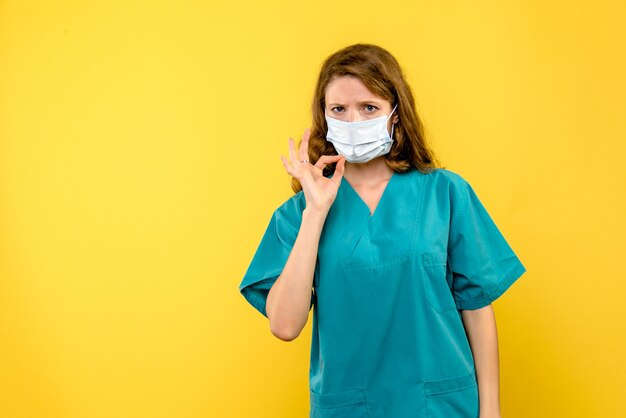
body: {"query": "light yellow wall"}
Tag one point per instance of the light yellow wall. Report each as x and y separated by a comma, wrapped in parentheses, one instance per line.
(139, 166)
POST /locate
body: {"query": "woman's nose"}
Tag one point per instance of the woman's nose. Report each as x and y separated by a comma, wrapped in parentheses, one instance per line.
(354, 116)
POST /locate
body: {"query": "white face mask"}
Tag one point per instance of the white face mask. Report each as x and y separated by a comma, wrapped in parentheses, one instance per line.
(360, 141)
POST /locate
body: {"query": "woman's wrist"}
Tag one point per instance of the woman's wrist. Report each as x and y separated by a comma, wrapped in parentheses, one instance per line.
(314, 215)
(490, 414)
(490, 411)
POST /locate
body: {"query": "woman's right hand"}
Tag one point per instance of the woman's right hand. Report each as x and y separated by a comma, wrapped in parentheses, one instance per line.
(319, 191)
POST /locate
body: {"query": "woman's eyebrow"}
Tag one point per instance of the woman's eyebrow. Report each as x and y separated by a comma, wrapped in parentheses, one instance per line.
(363, 102)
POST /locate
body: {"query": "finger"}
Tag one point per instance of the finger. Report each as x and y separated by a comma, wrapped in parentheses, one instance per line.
(339, 170)
(326, 159)
(287, 165)
(303, 152)
(292, 153)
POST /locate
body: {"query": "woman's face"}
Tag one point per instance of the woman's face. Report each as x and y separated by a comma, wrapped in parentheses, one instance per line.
(348, 99)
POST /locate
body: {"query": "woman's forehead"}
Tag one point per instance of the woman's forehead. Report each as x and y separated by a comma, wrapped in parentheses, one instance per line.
(348, 88)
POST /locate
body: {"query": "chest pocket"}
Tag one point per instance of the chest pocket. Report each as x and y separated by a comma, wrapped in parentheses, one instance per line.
(438, 291)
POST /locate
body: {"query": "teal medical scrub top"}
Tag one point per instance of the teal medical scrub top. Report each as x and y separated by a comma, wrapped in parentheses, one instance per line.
(387, 334)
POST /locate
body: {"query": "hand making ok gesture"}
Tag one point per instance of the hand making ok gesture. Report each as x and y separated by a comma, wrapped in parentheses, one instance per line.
(319, 191)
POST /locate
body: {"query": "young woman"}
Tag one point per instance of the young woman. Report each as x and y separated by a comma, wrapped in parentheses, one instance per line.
(398, 258)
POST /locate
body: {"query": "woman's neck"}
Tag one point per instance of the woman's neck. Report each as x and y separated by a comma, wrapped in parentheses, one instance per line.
(369, 173)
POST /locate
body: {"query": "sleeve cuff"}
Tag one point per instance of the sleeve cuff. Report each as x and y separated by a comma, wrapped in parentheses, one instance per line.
(514, 274)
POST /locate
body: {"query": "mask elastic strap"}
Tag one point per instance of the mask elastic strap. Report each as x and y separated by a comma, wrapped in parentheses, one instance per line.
(392, 110)
(393, 124)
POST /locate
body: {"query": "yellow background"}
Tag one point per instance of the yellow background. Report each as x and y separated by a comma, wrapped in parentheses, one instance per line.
(139, 166)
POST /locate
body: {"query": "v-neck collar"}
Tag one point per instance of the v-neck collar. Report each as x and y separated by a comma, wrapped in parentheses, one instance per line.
(380, 201)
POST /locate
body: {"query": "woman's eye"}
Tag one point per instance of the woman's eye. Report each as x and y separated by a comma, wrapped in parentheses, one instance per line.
(370, 108)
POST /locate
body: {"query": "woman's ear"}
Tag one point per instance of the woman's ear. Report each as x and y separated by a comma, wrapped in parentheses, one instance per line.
(395, 119)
